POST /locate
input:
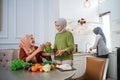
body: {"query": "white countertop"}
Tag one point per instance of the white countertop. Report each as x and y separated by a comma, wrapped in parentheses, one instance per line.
(83, 54)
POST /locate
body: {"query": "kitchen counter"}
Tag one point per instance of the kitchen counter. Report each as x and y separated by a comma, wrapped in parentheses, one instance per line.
(84, 54)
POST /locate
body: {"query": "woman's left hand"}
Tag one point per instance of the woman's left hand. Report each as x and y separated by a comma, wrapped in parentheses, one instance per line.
(59, 52)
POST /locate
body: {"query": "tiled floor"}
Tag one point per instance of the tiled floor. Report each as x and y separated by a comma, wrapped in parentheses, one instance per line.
(110, 79)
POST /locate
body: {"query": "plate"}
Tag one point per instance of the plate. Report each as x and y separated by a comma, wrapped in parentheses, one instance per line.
(62, 70)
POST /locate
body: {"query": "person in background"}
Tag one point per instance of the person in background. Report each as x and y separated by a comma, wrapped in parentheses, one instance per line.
(100, 43)
(29, 52)
(63, 44)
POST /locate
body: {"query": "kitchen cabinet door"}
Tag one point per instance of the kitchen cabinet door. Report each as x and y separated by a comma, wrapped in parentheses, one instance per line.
(112, 69)
(79, 63)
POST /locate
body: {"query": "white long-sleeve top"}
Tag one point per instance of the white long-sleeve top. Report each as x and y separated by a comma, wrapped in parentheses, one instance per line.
(102, 49)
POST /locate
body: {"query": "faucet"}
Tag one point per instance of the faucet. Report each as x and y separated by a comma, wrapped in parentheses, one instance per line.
(86, 46)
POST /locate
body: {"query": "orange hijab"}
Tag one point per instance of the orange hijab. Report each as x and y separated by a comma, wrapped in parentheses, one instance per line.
(27, 43)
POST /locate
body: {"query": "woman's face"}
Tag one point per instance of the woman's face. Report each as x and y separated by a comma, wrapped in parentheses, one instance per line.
(58, 27)
(31, 40)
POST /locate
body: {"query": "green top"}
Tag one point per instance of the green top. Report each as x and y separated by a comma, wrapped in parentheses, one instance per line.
(64, 40)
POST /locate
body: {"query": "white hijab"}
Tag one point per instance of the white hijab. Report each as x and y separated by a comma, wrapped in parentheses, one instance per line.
(63, 24)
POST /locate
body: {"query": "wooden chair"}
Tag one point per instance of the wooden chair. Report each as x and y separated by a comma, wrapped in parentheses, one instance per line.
(96, 69)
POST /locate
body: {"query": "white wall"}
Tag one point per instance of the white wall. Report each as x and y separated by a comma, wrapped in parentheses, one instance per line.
(20, 17)
(73, 10)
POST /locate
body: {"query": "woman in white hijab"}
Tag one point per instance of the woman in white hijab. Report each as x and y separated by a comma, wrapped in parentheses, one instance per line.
(100, 43)
(63, 44)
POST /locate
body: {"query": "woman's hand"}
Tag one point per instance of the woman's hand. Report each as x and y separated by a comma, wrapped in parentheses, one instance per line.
(60, 52)
(40, 48)
(90, 50)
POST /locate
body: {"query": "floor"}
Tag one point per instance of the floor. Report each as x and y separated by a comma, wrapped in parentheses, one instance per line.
(110, 79)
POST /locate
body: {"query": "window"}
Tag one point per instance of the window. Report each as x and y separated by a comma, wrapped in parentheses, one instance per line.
(105, 19)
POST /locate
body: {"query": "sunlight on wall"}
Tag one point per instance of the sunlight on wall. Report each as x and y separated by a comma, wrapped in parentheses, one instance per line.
(106, 29)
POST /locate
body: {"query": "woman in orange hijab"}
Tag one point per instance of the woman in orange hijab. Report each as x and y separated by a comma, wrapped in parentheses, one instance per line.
(29, 52)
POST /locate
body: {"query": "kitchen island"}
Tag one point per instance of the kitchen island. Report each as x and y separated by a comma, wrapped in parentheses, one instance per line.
(7, 74)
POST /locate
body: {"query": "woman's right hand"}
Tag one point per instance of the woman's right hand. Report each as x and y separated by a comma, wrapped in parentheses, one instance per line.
(90, 49)
(40, 48)
(60, 52)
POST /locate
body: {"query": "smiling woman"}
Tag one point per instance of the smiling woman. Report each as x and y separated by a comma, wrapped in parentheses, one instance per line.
(63, 43)
(29, 52)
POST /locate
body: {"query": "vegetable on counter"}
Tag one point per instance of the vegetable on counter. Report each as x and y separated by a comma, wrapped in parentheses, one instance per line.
(18, 64)
(47, 62)
(48, 48)
(44, 67)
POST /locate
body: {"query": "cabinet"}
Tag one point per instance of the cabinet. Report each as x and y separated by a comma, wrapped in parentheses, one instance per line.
(112, 69)
(118, 63)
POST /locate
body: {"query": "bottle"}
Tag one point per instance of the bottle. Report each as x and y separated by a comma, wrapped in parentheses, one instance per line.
(76, 46)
